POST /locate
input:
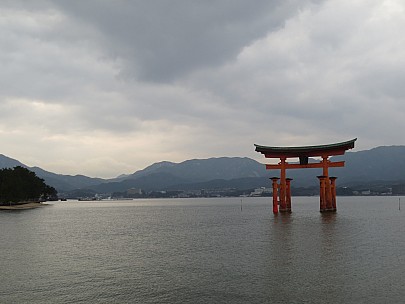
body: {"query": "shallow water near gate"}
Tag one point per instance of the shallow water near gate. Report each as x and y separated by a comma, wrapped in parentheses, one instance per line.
(225, 250)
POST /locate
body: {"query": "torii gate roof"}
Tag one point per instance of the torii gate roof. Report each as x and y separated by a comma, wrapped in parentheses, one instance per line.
(306, 151)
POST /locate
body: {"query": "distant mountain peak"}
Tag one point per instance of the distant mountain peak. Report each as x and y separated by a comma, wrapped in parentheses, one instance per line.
(158, 165)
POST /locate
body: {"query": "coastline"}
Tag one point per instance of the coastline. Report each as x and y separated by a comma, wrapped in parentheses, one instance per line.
(23, 206)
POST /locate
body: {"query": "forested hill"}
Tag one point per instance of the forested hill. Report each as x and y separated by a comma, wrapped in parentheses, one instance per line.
(385, 163)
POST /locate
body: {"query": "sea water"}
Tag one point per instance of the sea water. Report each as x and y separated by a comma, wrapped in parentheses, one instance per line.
(222, 250)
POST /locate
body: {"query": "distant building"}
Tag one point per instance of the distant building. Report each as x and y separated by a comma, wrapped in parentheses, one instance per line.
(362, 192)
(262, 191)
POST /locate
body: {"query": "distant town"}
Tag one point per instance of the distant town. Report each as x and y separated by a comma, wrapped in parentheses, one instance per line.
(137, 193)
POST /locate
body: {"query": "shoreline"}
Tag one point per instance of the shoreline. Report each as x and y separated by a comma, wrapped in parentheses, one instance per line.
(23, 206)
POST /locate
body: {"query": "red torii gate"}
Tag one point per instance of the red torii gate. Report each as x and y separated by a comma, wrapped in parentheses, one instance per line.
(282, 191)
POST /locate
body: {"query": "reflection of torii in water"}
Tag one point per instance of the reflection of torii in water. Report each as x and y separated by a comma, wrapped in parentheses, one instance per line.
(327, 191)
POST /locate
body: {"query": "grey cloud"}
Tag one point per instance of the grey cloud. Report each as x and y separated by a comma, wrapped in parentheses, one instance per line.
(163, 40)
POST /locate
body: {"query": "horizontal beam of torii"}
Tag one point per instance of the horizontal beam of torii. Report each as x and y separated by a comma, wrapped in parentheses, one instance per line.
(312, 165)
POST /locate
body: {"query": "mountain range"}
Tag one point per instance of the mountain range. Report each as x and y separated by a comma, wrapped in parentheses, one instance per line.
(381, 164)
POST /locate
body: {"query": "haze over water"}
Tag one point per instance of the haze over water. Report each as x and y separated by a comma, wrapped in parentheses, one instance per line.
(204, 251)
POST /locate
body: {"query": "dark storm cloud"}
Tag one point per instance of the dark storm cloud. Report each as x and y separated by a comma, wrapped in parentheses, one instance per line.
(163, 40)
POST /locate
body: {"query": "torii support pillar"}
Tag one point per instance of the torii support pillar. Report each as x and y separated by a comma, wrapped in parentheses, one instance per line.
(333, 189)
(288, 194)
(275, 194)
(322, 193)
(281, 195)
(283, 185)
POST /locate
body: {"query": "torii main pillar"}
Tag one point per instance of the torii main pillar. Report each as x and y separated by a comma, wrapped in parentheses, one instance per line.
(327, 186)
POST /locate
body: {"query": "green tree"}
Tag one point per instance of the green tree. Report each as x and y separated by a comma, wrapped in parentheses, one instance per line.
(20, 184)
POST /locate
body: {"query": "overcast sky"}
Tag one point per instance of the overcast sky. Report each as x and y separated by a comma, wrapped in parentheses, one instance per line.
(103, 88)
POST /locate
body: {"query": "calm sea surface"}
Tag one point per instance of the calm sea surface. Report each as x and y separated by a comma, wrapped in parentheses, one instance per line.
(204, 251)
